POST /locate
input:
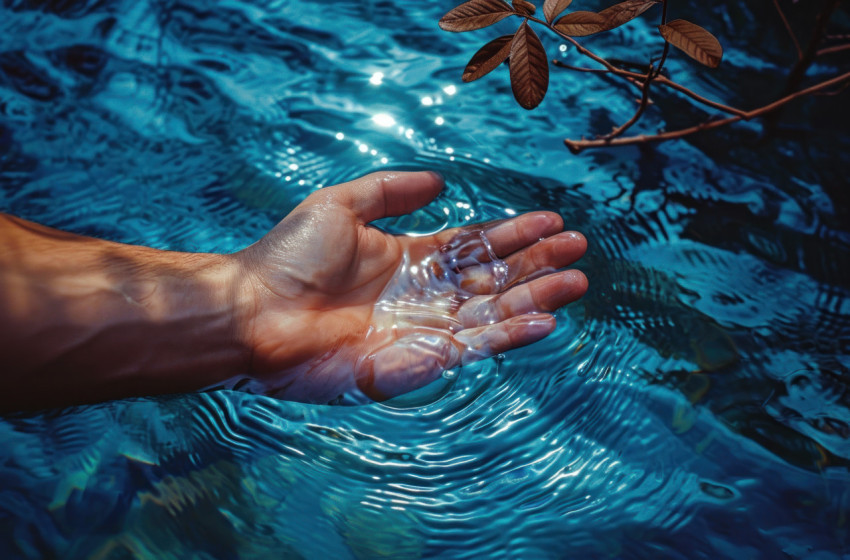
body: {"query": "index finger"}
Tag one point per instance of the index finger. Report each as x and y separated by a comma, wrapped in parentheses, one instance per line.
(508, 236)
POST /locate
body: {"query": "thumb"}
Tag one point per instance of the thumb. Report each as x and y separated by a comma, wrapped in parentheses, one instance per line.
(387, 193)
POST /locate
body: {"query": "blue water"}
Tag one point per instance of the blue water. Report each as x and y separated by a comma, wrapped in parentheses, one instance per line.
(695, 404)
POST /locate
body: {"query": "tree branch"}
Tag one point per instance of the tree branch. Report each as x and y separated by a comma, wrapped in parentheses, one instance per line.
(644, 101)
(833, 49)
(635, 78)
(576, 146)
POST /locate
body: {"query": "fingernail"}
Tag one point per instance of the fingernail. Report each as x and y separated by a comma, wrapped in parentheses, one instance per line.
(437, 175)
(539, 326)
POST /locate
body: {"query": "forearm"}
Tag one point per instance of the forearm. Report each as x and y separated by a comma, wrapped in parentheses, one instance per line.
(84, 320)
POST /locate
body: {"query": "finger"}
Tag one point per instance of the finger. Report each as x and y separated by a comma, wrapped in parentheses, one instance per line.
(512, 235)
(544, 257)
(558, 251)
(383, 194)
(541, 295)
(501, 238)
(482, 342)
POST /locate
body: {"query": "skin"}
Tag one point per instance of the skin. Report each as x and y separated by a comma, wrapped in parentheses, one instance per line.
(300, 314)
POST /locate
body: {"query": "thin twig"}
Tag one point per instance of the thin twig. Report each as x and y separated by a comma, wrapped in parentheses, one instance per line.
(647, 84)
(796, 75)
(634, 78)
(832, 50)
(666, 44)
(576, 146)
(696, 97)
(561, 64)
(834, 92)
(644, 101)
(788, 28)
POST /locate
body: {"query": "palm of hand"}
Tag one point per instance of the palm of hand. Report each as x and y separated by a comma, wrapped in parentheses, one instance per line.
(345, 309)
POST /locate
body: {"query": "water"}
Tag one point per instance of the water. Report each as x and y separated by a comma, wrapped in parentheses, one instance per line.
(694, 404)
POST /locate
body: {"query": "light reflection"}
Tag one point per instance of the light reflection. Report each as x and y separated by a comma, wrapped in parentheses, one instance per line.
(377, 78)
(450, 150)
(450, 90)
(427, 100)
(439, 120)
(340, 135)
(384, 160)
(408, 133)
(363, 148)
(510, 211)
(293, 166)
(383, 119)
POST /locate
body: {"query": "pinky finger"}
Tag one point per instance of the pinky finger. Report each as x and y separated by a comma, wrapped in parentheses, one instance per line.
(483, 342)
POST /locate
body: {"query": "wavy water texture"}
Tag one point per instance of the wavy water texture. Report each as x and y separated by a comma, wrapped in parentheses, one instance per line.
(694, 404)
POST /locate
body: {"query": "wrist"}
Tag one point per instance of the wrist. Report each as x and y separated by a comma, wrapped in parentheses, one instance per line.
(201, 309)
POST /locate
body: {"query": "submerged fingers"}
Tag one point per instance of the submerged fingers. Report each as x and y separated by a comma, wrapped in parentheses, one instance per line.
(489, 259)
(541, 258)
(420, 357)
(482, 243)
(541, 295)
(483, 342)
(512, 235)
(553, 253)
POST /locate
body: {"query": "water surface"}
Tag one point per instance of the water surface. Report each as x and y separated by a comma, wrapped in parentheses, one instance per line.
(694, 404)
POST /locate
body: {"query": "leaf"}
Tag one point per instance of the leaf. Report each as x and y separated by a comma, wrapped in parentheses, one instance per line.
(488, 58)
(475, 14)
(618, 14)
(553, 8)
(695, 41)
(529, 67)
(524, 8)
(580, 24)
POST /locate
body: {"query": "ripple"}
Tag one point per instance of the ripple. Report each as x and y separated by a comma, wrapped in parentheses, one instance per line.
(692, 405)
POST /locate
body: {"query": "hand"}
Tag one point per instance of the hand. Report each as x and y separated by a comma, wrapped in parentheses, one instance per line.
(342, 309)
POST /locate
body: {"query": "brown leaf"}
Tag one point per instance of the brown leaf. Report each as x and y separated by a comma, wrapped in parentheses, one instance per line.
(697, 43)
(618, 14)
(488, 58)
(475, 14)
(529, 67)
(553, 8)
(580, 24)
(524, 8)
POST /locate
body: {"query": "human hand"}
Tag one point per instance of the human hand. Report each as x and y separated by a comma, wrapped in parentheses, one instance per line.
(340, 309)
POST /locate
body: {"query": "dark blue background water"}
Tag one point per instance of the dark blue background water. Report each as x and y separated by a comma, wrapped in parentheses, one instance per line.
(695, 404)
